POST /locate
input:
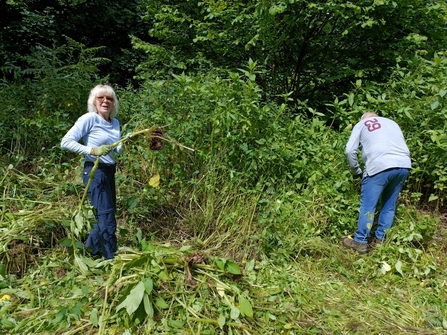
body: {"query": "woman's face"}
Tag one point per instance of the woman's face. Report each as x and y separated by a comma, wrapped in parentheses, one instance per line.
(104, 104)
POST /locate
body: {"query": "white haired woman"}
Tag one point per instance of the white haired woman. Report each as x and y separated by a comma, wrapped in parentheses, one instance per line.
(99, 129)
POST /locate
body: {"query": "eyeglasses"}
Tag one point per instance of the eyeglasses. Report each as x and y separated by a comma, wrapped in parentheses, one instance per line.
(102, 98)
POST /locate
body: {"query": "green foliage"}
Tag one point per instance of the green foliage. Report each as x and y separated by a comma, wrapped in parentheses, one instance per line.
(241, 235)
(412, 227)
(27, 24)
(308, 50)
(414, 97)
(43, 101)
(245, 138)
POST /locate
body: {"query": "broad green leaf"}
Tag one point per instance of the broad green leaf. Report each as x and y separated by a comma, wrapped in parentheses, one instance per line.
(65, 242)
(351, 99)
(94, 317)
(161, 303)
(139, 235)
(220, 263)
(79, 220)
(434, 105)
(245, 307)
(90, 262)
(250, 265)
(185, 248)
(221, 320)
(7, 323)
(432, 197)
(234, 313)
(163, 275)
(232, 268)
(176, 323)
(133, 300)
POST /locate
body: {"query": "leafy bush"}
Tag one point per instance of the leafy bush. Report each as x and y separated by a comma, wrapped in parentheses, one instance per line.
(415, 97)
(44, 99)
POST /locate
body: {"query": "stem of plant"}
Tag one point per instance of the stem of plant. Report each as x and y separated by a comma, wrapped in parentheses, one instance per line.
(114, 145)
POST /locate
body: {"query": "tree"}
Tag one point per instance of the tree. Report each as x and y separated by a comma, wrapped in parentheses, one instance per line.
(308, 50)
(94, 23)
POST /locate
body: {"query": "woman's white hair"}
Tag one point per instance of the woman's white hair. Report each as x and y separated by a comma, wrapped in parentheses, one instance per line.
(100, 90)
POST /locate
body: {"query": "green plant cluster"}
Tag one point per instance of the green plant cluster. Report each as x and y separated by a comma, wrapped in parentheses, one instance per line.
(414, 97)
(239, 235)
(260, 189)
(39, 105)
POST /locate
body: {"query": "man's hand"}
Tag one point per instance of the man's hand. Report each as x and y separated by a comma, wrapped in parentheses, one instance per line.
(102, 150)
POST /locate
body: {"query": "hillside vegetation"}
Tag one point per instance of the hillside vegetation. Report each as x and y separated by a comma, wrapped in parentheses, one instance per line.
(235, 226)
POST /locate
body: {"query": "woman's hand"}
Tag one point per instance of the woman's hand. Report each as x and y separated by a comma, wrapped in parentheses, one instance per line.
(102, 150)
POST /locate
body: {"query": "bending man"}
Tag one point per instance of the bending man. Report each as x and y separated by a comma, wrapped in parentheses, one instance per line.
(387, 164)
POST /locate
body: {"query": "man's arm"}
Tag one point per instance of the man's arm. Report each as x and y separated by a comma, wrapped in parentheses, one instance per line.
(351, 151)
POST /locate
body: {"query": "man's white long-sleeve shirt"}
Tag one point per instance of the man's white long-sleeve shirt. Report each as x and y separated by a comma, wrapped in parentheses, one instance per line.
(382, 145)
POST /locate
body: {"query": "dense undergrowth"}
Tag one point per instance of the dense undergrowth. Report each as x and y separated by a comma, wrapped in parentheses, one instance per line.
(241, 235)
(245, 263)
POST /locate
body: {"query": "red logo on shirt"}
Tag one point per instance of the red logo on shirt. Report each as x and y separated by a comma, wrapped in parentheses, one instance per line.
(372, 124)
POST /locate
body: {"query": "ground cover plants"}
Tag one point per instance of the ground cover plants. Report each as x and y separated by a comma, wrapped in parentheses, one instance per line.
(240, 235)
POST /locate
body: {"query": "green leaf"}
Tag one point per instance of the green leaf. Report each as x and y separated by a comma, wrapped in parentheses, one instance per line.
(139, 235)
(232, 268)
(65, 242)
(185, 248)
(94, 317)
(245, 307)
(163, 275)
(176, 323)
(82, 265)
(79, 221)
(432, 197)
(434, 105)
(161, 303)
(221, 321)
(234, 313)
(148, 285)
(133, 300)
(351, 99)
(149, 309)
(220, 263)
(399, 267)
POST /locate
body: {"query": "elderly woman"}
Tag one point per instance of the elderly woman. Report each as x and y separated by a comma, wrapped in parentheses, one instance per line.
(99, 129)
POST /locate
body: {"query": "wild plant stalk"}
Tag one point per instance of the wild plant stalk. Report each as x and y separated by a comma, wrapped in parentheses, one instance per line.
(77, 222)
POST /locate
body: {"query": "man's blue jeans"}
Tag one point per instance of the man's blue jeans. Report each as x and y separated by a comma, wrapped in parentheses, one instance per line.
(385, 186)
